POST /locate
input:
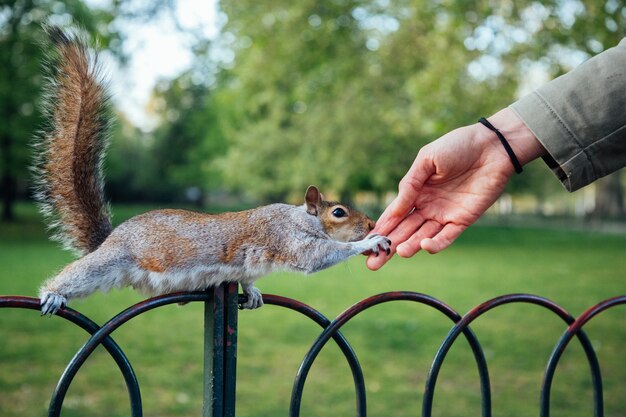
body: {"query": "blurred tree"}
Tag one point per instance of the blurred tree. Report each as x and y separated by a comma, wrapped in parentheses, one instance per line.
(129, 168)
(187, 140)
(295, 66)
(344, 93)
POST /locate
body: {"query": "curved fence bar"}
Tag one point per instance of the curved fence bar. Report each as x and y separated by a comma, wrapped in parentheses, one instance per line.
(103, 333)
(322, 321)
(220, 345)
(559, 349)
(343, 318)
(90, 327)
(489, 305)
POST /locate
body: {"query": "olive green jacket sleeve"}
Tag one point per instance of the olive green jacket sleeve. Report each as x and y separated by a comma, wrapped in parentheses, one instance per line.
(580, 119)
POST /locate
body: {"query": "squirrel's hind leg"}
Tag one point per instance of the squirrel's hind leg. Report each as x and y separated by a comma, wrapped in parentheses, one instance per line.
(79, 279)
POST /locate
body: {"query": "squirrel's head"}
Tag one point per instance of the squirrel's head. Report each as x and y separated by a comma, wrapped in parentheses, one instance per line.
(340, 222)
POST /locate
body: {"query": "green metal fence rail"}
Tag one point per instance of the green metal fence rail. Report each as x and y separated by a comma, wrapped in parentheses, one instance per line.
(220, 345)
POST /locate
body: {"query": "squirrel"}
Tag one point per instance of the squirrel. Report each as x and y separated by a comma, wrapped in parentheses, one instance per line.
(167, 250)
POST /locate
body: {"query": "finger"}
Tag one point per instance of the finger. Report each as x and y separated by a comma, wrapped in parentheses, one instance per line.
(377, 259)
(443, 239)
(401, 233)
(375, 262)
(413, 244)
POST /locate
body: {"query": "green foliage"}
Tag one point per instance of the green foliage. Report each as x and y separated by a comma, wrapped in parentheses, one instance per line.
(189, 138)
(130, 170)
(344, 93)
(308, 109)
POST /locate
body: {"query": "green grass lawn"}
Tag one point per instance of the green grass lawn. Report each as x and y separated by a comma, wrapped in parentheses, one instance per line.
(395, 342)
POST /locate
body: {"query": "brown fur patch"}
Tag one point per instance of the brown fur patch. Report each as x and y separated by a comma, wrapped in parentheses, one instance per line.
(234, 243)
(152, 264)
(164, 244)
(250, 237)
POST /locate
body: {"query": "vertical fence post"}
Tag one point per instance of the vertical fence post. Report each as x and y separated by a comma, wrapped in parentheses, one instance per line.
(220, 351)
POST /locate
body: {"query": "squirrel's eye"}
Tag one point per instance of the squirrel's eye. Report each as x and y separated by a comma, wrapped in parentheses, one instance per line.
(339, 212)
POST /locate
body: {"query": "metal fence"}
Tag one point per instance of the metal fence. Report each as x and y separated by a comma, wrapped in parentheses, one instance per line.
(220, 345)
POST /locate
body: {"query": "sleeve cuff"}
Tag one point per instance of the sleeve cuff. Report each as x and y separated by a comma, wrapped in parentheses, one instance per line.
(564, 152)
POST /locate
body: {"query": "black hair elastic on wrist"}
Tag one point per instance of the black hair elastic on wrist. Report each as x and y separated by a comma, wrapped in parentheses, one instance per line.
(505, 143)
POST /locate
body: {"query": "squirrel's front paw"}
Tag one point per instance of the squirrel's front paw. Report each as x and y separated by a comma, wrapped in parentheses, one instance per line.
(376, 242)
(255, 298)
(51, 303)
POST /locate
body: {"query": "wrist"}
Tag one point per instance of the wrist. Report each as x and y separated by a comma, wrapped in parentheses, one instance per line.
(522, 140)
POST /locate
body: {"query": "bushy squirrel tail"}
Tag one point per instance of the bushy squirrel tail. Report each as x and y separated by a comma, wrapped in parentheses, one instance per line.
(68, 169)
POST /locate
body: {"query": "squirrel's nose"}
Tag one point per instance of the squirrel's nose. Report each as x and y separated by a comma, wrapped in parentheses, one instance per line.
(370, 225)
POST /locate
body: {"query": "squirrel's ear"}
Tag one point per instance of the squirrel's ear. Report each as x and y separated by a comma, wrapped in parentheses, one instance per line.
(313, 199)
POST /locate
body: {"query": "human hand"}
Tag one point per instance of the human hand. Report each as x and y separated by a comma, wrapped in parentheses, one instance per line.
(451, 183)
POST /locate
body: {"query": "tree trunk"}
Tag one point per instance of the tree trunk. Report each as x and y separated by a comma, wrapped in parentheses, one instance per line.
(9, 189)
(8, 182)
(609, 197)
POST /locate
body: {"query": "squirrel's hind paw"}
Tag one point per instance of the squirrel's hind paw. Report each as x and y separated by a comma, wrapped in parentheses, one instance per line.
(51, 303)
(255, 298)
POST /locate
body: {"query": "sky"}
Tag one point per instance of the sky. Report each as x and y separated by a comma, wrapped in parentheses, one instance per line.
(156, 50)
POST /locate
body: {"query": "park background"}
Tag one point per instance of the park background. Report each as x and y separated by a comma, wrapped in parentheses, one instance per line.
(269, 97)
